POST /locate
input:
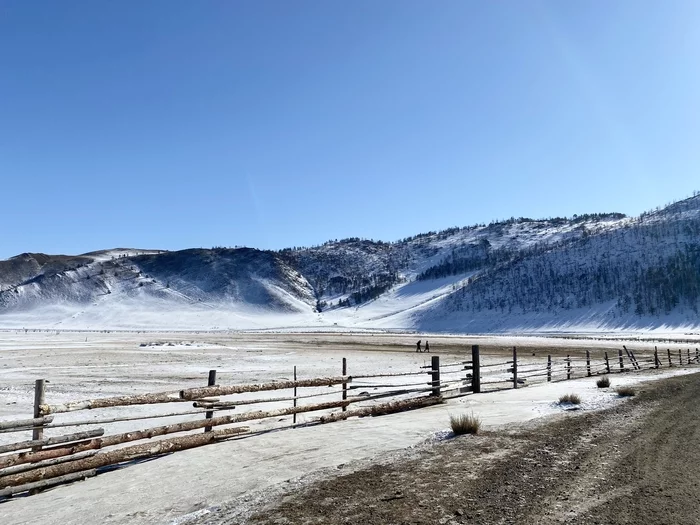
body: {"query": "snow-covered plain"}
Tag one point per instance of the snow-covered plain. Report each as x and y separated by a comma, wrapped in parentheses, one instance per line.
(83, 365)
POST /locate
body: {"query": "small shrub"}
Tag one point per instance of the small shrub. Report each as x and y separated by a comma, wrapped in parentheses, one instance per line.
(465, 424)
(573, 399)
(625, 391)
(603, 382)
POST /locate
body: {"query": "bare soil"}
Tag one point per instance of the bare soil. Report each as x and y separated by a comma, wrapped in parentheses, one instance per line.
(635, 463)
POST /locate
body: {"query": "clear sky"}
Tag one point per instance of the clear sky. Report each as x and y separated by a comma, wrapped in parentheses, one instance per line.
(174, 124)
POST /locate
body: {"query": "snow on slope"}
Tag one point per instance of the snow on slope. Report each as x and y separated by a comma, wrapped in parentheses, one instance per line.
(393, 309)
(593, 273)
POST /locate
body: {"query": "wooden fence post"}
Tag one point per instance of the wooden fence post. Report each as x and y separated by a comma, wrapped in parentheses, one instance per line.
(568, 367)
(476, 370)
(670, 364)
(680, 357)
(588, 363)
(633, 360)
(515, 367)
(435, 375)
(294, 401)
(622, 364)
(549, 368)
(688, 355)
(39, 393)
(607, 362)
(656, 358)
(468, 376)
(210, 382)
(635, 363)
(345, 385)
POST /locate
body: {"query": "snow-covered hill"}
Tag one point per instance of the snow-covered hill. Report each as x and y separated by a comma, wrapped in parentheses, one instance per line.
(592, 272)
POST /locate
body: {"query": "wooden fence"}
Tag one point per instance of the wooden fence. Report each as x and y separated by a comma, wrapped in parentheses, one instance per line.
(41, 462)
(493, 371)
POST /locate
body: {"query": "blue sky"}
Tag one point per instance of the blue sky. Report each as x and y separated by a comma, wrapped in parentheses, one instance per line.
(176, 124)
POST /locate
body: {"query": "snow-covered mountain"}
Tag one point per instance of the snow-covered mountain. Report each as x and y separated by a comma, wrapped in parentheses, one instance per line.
(590, 272)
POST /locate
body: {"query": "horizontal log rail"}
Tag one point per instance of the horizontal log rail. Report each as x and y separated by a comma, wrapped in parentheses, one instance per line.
(221, 405)
(496, 364)
(49, 453)
(497, 371)
(185, 426)
(24, 424)
(456, 387)
(508, 380)
(457, 370)
(52, 440)
(393, 393)
(446, 365)
(397, 374)
(377, 385)
(109, 402)
(128, 418)
(47, 463)
(383, 409)
(47, 483)
(120, 455)
(193, 394)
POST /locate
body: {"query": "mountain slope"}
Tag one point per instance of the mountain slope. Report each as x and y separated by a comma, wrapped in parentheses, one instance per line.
(591, 272)
(640, 273)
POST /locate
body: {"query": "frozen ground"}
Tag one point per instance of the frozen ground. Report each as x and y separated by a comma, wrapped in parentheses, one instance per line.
(169, 489)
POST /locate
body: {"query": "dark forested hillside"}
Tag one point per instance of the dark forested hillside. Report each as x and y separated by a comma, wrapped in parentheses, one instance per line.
(649, 266)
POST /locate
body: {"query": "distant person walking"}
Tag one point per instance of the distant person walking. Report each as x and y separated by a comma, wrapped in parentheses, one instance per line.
(418, 348)
(427, 346)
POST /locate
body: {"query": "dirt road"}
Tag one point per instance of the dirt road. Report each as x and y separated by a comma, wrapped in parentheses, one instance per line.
(636, 463)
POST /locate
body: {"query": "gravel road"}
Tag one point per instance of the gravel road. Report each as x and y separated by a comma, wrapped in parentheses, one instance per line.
(635, 463)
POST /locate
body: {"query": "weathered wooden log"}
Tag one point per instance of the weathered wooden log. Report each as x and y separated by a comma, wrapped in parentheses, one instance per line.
(397, 374)
(192, 394)
(294, 401)
(344, 372)
(185, 426)
(11, 447)
(31, 466)
(384, 408)
(108, 402)
(24, 424)
(127, 437)
(46, 483)
(630, 356)
(229, 405)
(120, 455)
(211, 382)
(39, 393)
(128, 418)
(49, 453)
(394, 393)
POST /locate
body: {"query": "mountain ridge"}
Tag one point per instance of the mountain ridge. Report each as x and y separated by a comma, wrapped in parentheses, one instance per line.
(602, 271)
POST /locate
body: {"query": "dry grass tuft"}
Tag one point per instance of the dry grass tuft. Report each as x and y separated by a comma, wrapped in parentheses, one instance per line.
(572, 399)
(465, 424)
(603, 382)
(625, 391)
